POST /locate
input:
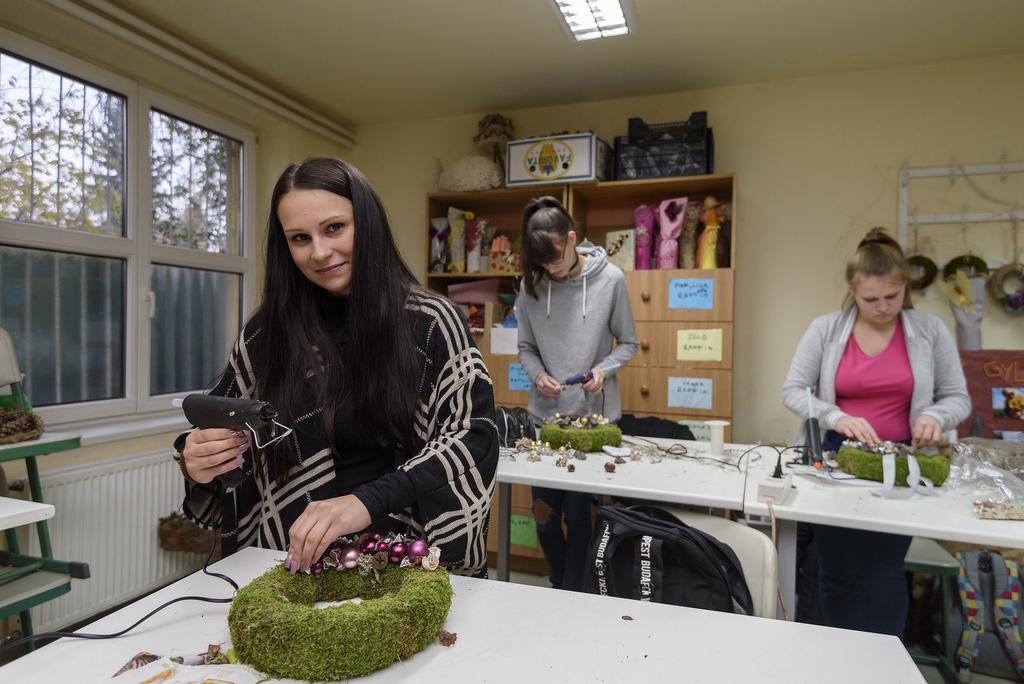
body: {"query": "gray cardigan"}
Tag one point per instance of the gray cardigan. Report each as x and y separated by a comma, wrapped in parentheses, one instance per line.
(940, 390)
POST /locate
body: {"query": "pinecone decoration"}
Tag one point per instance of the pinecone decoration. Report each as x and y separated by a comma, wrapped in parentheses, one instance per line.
(18, 426)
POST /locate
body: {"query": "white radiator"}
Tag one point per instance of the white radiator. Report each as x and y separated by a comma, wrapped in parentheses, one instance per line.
(107, 515)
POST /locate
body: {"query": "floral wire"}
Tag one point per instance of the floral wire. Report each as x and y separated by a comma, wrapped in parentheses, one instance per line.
(680, 451)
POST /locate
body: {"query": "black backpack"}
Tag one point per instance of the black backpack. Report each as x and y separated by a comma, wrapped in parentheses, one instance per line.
(513, 422)
(645, 553)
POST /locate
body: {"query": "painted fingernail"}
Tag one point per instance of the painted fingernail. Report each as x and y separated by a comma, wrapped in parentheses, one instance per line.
(244, 447)
(239, 461)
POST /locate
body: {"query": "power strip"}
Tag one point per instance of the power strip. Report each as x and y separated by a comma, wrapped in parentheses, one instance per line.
(775, 488)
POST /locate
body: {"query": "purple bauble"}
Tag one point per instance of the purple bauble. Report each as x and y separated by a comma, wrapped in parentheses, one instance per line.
(350, 557)
(317, 568)
(376, 535)
(383, 546)
(369, 546)
(418, 549)
(398, 551)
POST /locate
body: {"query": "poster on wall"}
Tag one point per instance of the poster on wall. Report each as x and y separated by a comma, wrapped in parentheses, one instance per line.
(995, 381)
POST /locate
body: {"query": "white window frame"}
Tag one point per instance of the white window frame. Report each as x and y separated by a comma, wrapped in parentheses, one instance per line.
(136, 248)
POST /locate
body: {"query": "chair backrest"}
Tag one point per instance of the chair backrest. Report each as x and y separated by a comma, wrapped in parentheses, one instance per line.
(757, 555)
(9, 371)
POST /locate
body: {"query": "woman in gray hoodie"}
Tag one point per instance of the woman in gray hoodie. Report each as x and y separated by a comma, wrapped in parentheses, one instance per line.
(572, 305)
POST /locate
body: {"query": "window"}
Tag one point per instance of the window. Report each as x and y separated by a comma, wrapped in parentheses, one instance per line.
(125, 237)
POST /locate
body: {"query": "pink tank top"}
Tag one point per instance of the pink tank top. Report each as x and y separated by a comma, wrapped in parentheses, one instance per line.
(878, 388)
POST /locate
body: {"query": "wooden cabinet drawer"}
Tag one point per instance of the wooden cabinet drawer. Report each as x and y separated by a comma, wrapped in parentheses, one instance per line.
(659, 345)
(498, 367)
(649, 295)
(646, 390)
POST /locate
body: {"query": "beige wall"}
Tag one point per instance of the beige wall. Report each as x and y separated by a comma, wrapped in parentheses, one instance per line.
(278, 143)
(816, 162)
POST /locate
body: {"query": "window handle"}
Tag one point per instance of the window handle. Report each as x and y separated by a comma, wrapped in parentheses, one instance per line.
(151, 301)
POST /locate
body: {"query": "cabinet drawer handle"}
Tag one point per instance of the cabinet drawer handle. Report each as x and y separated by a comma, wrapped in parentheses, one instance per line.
(645, 296)
(645, 345)
(645, 390)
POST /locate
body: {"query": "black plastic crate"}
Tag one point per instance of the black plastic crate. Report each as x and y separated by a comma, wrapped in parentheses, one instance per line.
(693, 130)
(659, 160)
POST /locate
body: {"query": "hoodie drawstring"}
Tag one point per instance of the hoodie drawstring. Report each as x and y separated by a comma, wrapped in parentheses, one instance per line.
(549, 299)
(584, 297)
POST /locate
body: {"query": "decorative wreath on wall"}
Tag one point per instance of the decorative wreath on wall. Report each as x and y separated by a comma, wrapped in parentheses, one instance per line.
(922, 272)
(1006, 286)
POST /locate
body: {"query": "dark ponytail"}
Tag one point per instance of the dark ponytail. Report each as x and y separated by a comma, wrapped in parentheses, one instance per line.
(546, 223)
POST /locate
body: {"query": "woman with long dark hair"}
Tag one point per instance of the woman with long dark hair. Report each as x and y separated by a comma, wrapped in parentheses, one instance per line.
(390, 403)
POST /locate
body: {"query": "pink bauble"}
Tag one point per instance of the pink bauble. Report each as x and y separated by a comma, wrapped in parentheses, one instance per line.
(418, 549)
(383, 546)
(369, 546)
(398, 551)
(350, 557)
(376, 535)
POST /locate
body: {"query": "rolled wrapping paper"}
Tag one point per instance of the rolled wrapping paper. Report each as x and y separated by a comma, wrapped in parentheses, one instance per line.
(688, 238)
(643, 221)
(457, 239)
(474, 243)
(707, 245)
(438, 244)
(670, 215)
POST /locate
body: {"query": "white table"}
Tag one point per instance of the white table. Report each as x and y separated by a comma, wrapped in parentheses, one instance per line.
(948, 515)
(15, 512)
(678, 481)
(506, 633)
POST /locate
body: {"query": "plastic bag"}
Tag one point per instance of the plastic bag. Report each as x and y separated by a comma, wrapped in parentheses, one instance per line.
(993, 475)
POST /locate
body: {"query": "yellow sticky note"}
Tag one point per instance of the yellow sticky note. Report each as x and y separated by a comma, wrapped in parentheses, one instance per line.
(699, 345)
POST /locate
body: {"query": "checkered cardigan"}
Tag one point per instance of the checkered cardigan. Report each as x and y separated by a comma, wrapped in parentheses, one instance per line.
(441, 486)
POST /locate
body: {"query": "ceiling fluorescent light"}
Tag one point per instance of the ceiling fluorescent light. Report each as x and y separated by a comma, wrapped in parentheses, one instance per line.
(590, 19)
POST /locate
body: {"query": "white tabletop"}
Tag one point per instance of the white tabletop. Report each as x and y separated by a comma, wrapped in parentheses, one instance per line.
(947, 515)
(682, 481)
(500, 639)
(15, 512)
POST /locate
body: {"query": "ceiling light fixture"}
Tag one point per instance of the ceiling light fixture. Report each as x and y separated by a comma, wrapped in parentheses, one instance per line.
(590, 19)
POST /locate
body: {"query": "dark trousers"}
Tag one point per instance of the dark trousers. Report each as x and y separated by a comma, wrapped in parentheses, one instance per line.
(566, 554)
(860, 574)
(861, 579)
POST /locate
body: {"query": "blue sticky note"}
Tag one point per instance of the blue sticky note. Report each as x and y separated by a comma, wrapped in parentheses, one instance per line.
(691, 293)
(690, 393)
(518, 380)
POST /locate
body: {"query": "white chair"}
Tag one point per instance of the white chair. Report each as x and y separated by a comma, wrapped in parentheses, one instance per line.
(757, 555)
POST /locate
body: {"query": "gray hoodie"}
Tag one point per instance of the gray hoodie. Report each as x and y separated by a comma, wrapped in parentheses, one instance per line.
(569, 329)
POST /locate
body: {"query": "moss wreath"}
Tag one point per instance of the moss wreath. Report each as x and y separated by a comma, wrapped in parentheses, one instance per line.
(582, 439)
(276, 629)
(867, 465)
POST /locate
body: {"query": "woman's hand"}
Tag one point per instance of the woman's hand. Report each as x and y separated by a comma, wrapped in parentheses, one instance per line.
(320, 525)
(212, 452)
(548, 386)
(926, 432)
(596, 383)
(858, 429)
